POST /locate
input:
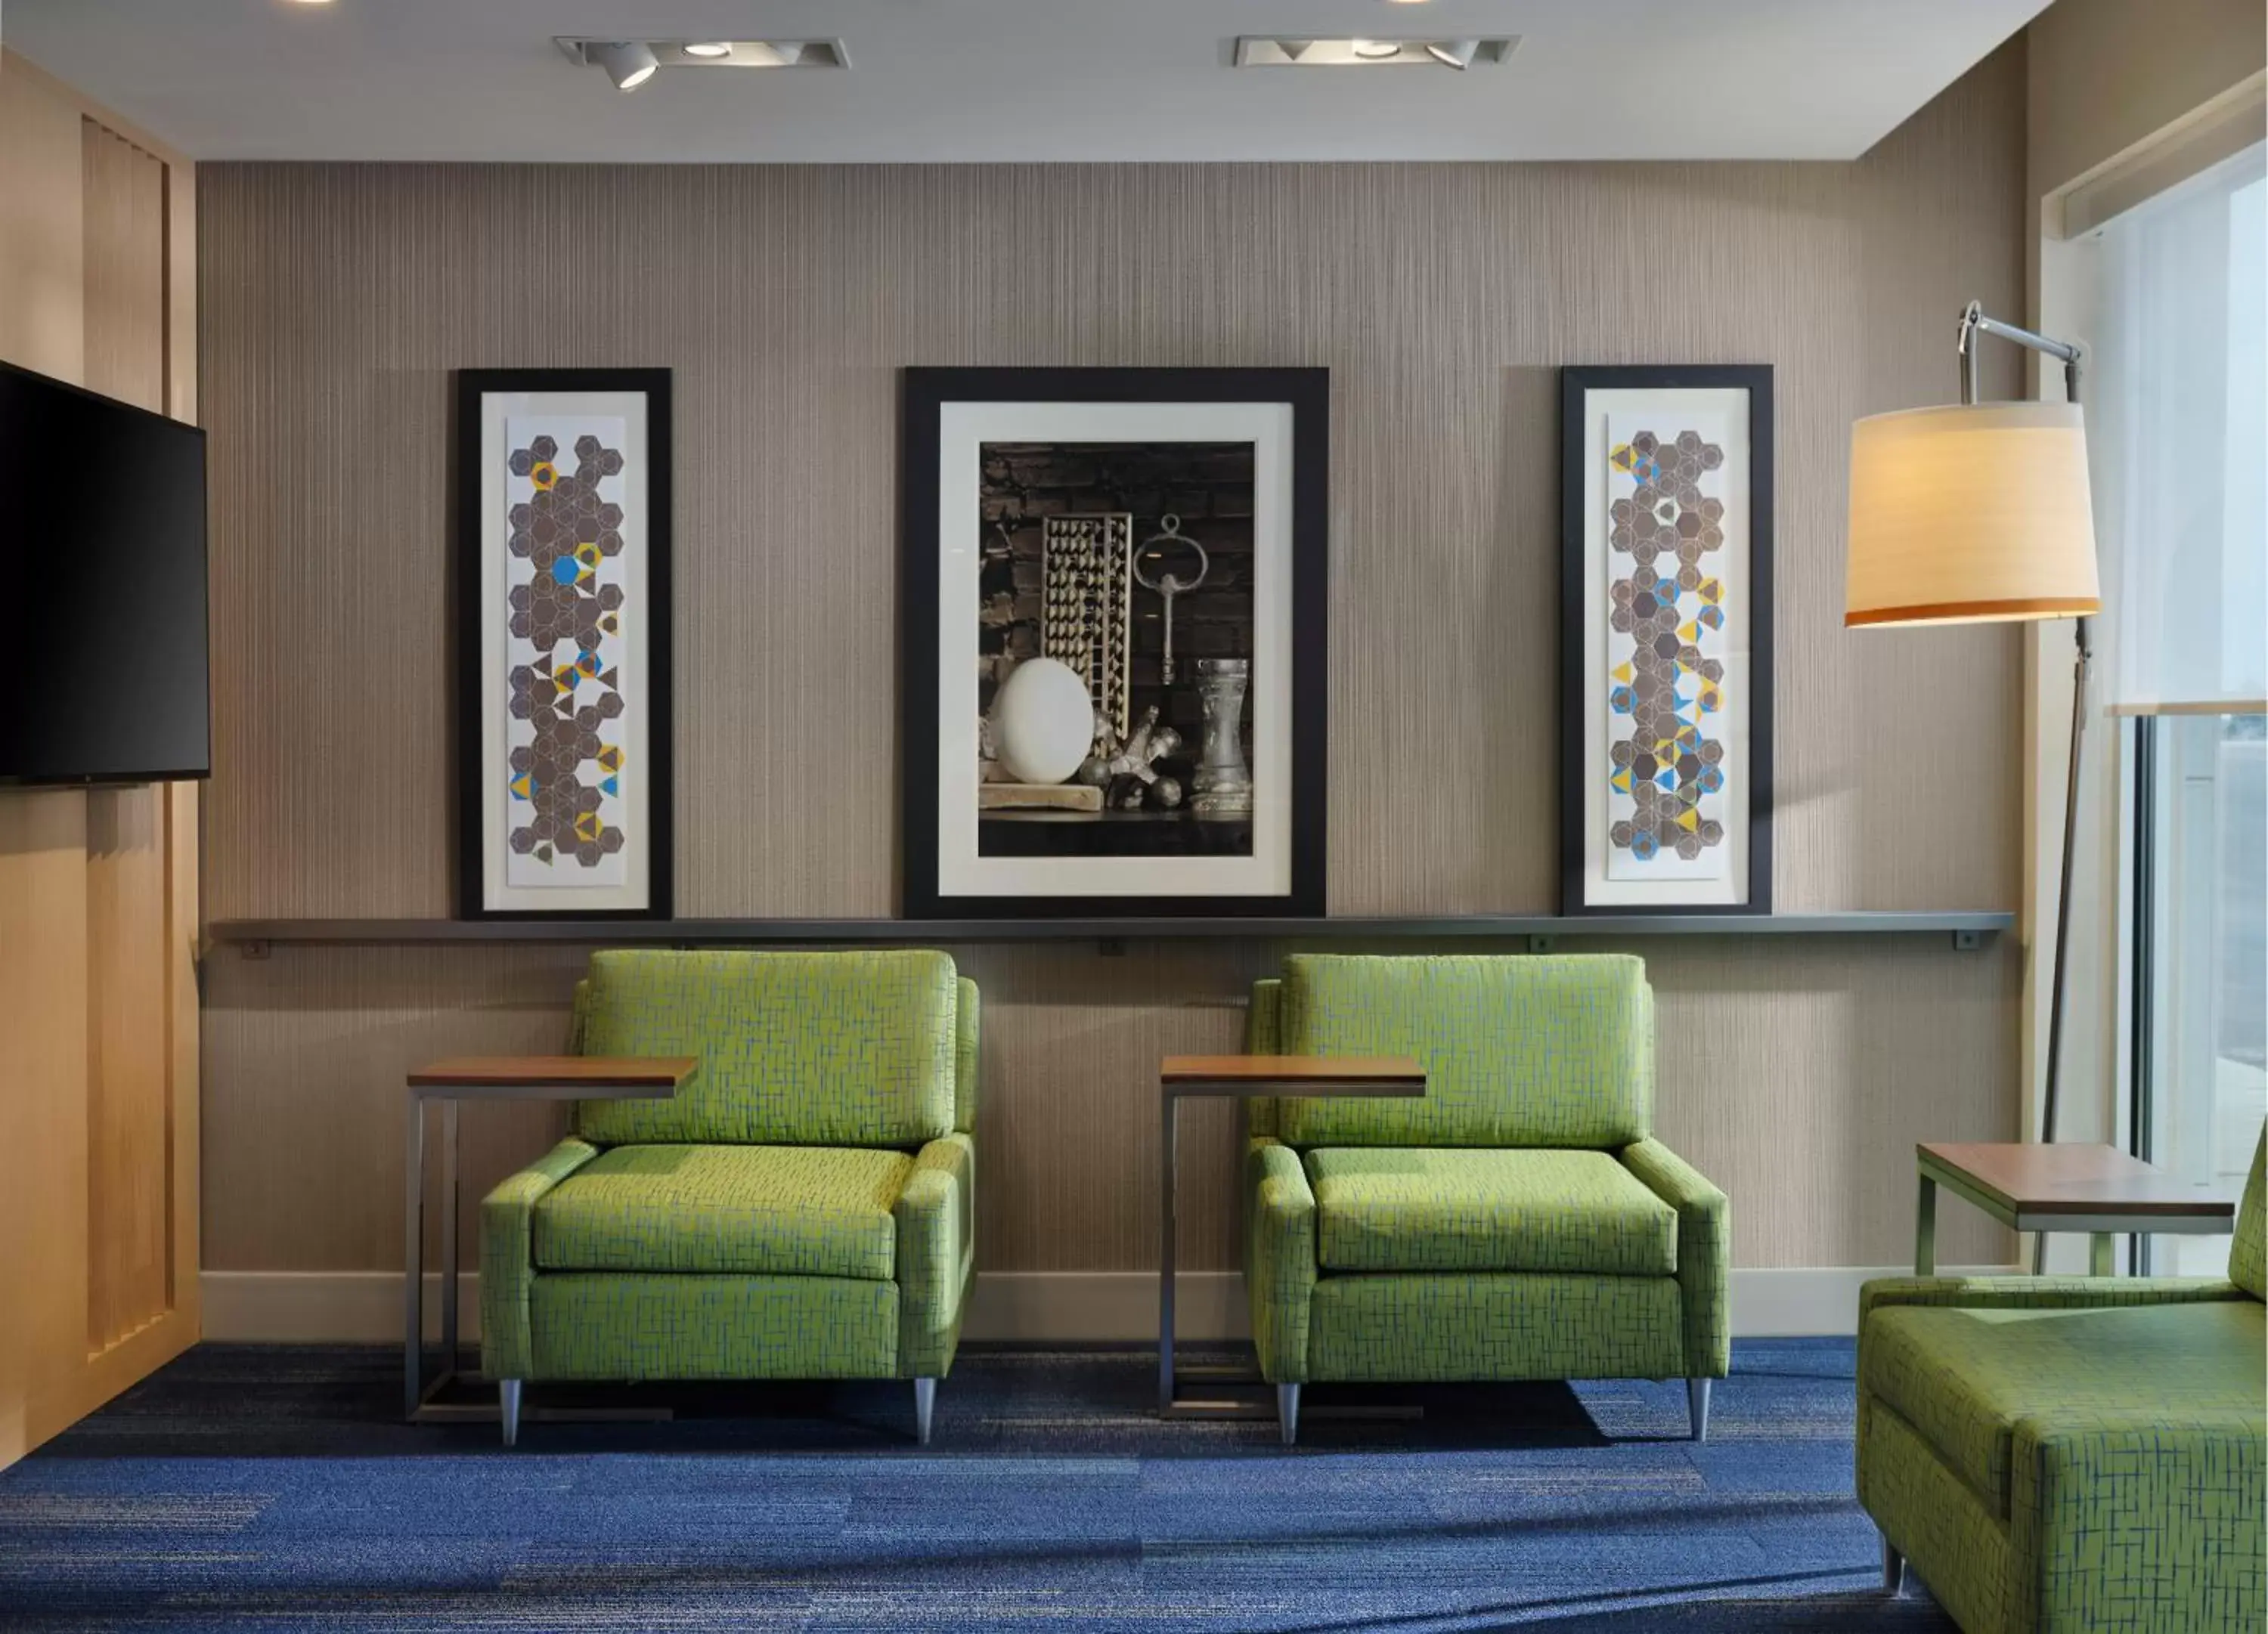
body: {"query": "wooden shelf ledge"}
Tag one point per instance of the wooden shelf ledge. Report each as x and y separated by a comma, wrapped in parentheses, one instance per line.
(1967, 929)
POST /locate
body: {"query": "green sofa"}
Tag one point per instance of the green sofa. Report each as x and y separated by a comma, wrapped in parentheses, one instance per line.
(804, 1209)
(1518, 1222)
(2061, 1453)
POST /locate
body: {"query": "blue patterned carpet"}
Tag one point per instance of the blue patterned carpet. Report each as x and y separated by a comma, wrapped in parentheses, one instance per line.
(272, 1487)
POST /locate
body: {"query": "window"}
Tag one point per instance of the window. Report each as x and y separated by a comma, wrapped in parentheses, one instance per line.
(2178, 411)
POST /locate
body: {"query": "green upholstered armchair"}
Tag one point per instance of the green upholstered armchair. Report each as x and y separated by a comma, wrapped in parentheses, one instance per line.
(803, 1209)
(2058, 1454)
(1518, 1222)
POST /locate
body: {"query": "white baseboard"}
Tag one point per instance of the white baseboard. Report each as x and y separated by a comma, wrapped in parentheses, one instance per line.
(1787, 1302)
(1035, 1307)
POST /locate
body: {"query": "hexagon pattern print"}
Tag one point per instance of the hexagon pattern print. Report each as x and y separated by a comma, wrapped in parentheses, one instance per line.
(1665, 681)
(568, 756)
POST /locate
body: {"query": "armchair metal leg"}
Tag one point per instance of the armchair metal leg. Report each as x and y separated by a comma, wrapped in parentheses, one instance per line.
(1894, 1569)
(1287, 1412)
(924, 1406)
(508, 1400)
(1696, 1404)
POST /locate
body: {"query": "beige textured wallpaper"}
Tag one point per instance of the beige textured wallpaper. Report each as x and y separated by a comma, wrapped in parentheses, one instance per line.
(336, 299)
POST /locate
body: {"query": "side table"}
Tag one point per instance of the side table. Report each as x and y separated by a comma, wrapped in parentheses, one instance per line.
(490, 1078)
(2042, 1187)
(1246, 1077)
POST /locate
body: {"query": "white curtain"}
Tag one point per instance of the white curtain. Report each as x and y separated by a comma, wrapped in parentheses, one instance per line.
(2177, 403)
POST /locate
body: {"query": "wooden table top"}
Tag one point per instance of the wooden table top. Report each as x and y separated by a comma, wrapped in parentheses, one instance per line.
(1306, 1076)
(663, 1073)
(2071, 1178)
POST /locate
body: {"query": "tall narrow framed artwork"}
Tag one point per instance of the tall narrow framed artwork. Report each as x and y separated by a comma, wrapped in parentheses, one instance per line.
(1666, 639)
(562, 481)
(1114, 635)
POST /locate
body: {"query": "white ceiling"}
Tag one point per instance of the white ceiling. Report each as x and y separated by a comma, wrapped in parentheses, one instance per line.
(1019, 80)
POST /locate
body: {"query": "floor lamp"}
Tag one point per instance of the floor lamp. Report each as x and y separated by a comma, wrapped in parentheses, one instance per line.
(1980, 514)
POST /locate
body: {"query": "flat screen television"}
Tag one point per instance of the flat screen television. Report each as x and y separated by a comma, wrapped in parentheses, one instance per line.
(104, 660)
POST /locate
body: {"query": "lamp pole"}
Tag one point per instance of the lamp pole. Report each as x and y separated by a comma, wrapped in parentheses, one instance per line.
(1975, 324)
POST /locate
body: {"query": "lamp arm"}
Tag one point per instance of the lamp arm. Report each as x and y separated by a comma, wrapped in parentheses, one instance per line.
(1974, 322)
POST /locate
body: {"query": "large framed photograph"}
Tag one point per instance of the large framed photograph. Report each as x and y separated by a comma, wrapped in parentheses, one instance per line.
(1666, 648)
(563, 643)
(1114, 633)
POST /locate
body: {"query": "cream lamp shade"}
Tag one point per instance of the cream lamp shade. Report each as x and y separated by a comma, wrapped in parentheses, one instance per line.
(1972, 514)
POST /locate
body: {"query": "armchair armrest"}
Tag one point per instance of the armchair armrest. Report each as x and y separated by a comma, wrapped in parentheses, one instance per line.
(2037, 1294)
(2156, 1506)
(1705, 1252)
(508, 1258)
(937, 1253)
(1279, 1257)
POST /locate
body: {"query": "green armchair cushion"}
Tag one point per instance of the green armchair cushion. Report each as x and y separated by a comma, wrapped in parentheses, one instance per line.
(1475, 1208)
(834, 1048)
(782, 1211)
(1965, 1377)
(1548, 1051)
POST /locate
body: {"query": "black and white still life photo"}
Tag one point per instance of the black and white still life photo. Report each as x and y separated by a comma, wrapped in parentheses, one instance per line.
(1106, 588)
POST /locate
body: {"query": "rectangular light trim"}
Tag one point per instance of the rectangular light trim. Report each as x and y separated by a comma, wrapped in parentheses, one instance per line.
(738, 53)
(1290, 51)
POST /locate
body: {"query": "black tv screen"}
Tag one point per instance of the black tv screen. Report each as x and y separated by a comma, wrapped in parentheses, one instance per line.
(102, 555)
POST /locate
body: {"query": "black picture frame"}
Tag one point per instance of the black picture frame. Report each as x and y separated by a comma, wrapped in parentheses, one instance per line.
(1576, 382)
(924, 393)
(471, 386)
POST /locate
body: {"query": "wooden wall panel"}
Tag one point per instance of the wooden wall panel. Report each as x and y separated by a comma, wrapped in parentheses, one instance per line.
(98, 890)
(1443, 298)
(128, 1198)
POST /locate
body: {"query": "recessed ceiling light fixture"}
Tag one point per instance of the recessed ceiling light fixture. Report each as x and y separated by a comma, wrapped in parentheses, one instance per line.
(1268, 51)
(631, 63)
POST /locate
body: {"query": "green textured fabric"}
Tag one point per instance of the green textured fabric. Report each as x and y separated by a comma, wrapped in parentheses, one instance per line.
(507, 1260)
(2040, 1294)
(578, 1019)
(2152, 1522)
(760, 1226)
(1548, 1051)
(2070, 1453)
(628, 1326)
(2246, 1253)
(779, 1210)
(1263, 1037)
(965, 1007)
(1965, 1377)
(1705, 1253)
(1959, 1545)
(1494, 1326)
(1467, 1209)
(1279, 1257)
(935, 1224)
(834, 1049)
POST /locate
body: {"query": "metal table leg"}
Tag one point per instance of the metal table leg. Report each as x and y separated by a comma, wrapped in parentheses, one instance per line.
(413, 1263)
(450, 1202)
(1925, 1228)
(1166, 1104)
(441, 1398)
